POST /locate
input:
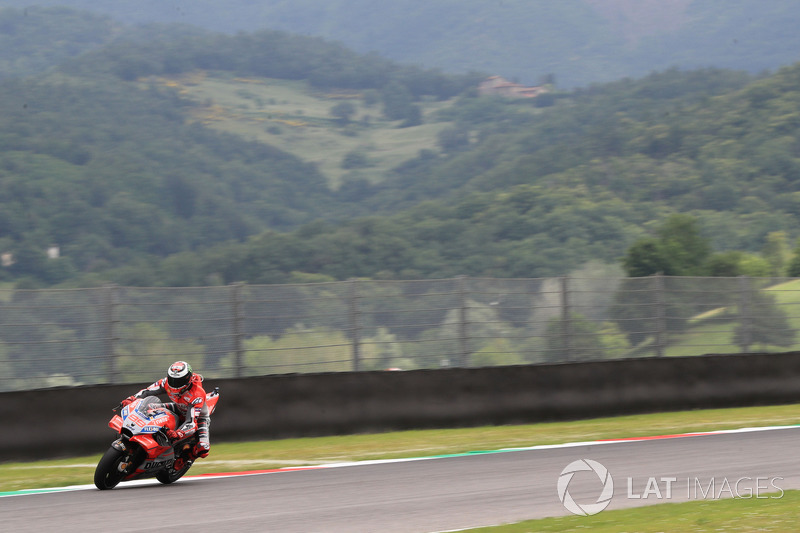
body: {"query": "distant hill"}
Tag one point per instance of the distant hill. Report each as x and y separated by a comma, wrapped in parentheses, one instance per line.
(172, 155)
(109, 157)
(537, 195)
(576, 42)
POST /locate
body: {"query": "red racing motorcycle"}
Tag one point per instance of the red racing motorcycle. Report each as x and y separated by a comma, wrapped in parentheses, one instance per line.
(143, 449)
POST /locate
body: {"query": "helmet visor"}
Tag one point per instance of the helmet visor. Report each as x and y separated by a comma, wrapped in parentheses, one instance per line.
(178, 382)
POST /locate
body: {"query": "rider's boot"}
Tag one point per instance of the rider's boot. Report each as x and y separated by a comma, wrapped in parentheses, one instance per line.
(203, 446)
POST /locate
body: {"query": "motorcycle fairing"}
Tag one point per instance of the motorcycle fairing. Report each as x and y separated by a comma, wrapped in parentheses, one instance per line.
(155, 464)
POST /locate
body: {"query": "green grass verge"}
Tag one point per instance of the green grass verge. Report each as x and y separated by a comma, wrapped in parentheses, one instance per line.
(226, 457)
(742, 515)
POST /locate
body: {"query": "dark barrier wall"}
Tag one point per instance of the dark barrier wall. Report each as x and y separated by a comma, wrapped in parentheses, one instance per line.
(70, 421)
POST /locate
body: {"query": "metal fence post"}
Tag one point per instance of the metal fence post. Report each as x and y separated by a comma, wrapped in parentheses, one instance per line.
(744, 313)
(566, 323)
(355, 323)
(661, 314)
(110, 311)
(236, 308)
(463, 322)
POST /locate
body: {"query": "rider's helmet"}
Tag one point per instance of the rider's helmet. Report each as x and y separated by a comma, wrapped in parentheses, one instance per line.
(179, 377)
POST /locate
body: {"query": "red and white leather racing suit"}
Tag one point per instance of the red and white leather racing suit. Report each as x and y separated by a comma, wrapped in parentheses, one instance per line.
(189, 404)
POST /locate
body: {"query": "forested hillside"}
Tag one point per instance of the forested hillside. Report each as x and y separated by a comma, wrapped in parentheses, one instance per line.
(108, 156)
(108, 170)
(539, 195)
(112, 168)
(35, 39)
(578, 42)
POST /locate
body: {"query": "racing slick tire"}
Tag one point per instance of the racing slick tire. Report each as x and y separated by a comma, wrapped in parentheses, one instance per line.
(107, 474)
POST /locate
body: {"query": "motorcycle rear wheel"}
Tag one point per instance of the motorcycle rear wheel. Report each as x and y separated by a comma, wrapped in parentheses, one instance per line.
(107, 474)
(172, 475)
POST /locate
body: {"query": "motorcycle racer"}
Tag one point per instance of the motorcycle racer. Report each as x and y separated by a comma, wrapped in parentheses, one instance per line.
(187, 399)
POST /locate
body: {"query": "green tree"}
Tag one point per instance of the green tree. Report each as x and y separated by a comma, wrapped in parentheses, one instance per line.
(763, 323)
(755, 266)
(684, 247)
(575, 339)
(397, 101)
(725, 264)
(453, 139)
(793, 270)
(677, 249)
(776, 253)
(646, 257)
(30, 259)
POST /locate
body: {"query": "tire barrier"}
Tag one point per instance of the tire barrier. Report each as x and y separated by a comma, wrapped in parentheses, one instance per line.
(73, 421)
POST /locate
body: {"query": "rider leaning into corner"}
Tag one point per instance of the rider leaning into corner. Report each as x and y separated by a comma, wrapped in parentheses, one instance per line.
(187, 398)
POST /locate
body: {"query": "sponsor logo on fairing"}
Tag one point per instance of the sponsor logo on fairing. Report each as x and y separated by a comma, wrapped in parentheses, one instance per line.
(154, 465)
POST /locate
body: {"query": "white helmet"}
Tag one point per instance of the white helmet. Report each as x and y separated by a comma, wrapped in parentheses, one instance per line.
(179, 377)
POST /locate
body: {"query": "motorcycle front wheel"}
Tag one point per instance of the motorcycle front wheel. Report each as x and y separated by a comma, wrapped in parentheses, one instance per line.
(107, 474)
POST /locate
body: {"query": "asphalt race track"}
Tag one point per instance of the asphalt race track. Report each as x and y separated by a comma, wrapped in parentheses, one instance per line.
(429, 495)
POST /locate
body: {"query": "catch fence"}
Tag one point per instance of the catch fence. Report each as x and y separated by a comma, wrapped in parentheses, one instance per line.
(112, 334)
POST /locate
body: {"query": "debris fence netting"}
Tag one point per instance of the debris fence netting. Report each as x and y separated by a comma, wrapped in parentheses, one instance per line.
(113, 334)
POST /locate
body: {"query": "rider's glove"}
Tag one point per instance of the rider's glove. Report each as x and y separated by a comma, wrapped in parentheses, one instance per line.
(128, 400)
(175, 434)
(124, 402)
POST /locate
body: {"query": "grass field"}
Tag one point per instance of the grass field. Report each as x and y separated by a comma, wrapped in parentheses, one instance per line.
(290, 115)
(228, 457)
(741, 515)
